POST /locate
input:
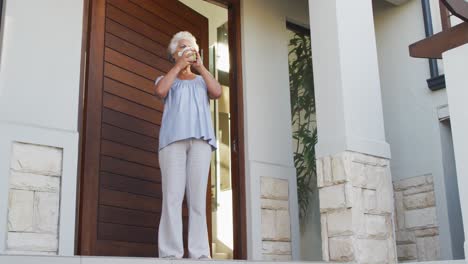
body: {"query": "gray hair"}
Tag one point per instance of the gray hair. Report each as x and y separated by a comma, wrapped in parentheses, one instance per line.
(178, 37)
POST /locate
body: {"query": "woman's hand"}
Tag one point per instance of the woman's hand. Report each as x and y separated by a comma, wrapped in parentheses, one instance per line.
(183, 61)
(198, 64)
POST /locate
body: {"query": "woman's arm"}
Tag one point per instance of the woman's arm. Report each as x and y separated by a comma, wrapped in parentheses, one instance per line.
(164, 85)
(213, 86)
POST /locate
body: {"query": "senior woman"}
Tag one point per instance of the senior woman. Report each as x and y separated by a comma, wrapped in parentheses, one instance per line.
(186, 141)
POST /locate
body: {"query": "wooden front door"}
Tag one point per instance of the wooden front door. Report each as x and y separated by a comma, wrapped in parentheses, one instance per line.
(120, 187)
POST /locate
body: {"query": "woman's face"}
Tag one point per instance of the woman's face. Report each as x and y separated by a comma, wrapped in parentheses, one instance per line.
(183, 43)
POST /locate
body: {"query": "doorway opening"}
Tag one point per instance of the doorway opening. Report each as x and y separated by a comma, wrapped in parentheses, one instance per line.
(120, 181)
(222, 222)
(304, 128)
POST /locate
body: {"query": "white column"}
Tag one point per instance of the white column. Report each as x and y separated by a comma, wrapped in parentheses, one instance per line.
(346, 77)
(353, 174)
(455, 65)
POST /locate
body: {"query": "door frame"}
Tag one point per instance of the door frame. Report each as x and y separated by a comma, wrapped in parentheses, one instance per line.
(237, 132)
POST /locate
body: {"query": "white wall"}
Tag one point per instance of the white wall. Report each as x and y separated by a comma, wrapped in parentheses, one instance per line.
(39, 93)
(267, 114)
(410, 108)
(216, 15)
(453, 196)
(455, 66)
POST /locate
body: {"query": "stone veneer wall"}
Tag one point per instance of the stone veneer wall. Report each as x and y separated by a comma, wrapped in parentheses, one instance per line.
(416, 221)
(276, 228)
(356, 205)
(34, 195)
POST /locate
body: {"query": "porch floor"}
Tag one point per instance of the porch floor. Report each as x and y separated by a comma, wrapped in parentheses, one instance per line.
(33, 259)
(30, 259)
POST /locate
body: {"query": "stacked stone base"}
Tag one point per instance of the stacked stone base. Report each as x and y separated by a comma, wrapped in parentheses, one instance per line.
(416, 220)
(276, 228)
(34, 195)
(356, 205)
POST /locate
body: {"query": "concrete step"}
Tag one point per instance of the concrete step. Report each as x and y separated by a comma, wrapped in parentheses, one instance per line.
(219, 255)
(23, 259)
(29, 259)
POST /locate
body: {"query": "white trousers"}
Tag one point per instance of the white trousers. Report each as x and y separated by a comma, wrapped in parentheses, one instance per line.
(184, 168)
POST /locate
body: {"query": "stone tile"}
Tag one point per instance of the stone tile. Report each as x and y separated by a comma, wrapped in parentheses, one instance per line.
(421, 218)
(407, 252)
(340, 223)
(327, 171)
(37, 159)
(23, 241)
(426, 232)
(376, 226)
(341, 249)
(274, 204)
(20, 210)
(374, 175)
(283, 226)
(357, 174)
(276, 257)
(272, 188)
(319, 172)
(324, 236)
(392, 251)
(405, 237)
(411, 182)
(428, 248)
(369, 200)
(338, 171)
(372, 251)
(419, 189)
(419, 200)
(46, 212)
(34, 182)
(365, 159)
(385, 198)
(399, 211)
(332, 197)
(268, 224)
(276, 248)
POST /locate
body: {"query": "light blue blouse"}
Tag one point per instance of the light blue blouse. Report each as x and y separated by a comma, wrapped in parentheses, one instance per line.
(186, 113)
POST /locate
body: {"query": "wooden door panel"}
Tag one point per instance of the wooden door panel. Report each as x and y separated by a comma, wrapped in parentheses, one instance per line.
(121, 194)
(130, 217)
(129, 201)
(168, 15)
(132, 94)
(131, 79)
(118, 232)
(133, 109)
(122, 183)
(137, 53)
(139, 40)
(130, 169)
(125, 62)
(147, 17)
(121, 248)
(130, 123)
(129, 138)
(124, 152)
(135, 24)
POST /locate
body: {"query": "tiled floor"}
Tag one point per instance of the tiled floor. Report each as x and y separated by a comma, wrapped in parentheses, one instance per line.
(22, 259)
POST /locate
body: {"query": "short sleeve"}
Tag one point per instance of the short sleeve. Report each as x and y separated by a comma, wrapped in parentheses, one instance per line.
(203, 82)
(158, 79)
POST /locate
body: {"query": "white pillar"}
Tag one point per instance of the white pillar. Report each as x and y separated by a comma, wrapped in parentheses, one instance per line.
(353, 174)
(455, 65)
(346, 76)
